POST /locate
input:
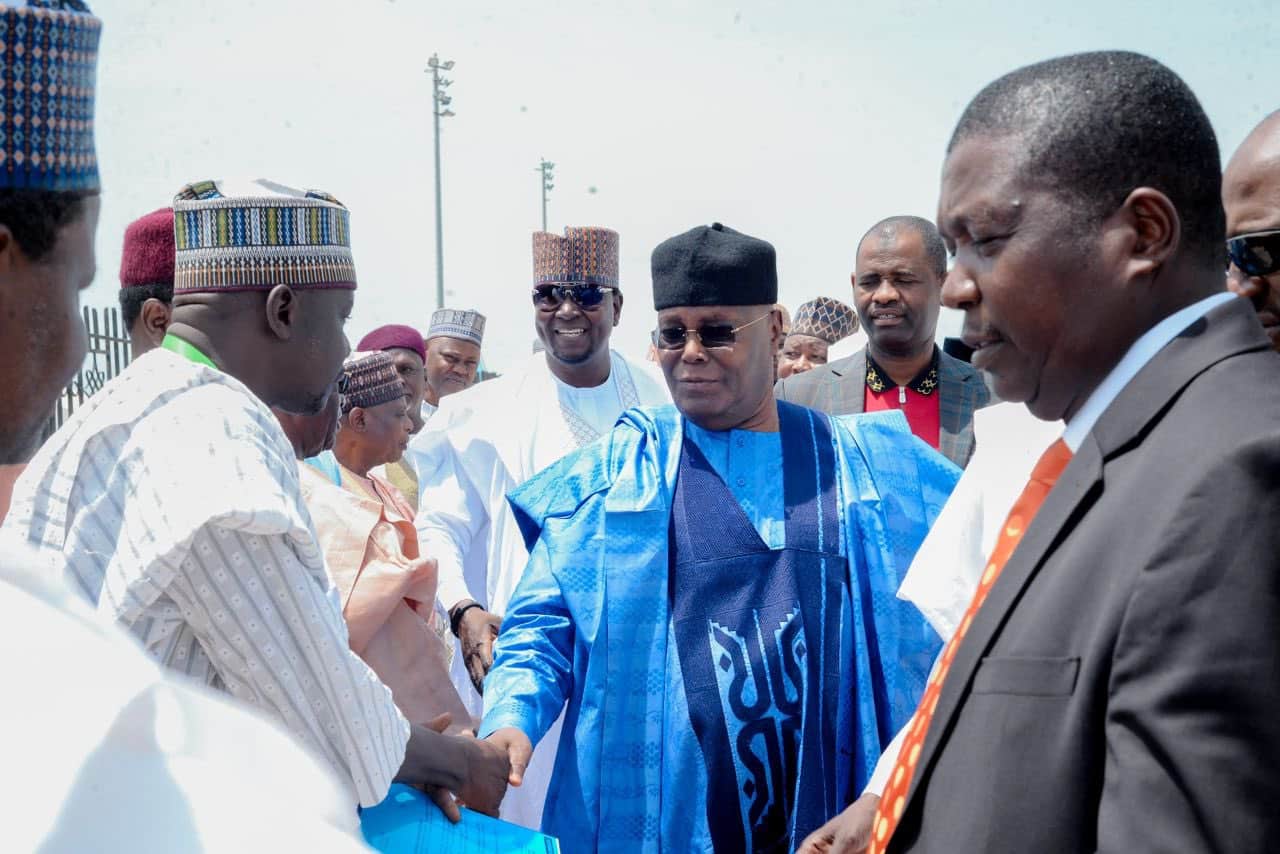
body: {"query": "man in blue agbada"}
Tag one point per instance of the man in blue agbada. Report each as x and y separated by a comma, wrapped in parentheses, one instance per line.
(711, 590)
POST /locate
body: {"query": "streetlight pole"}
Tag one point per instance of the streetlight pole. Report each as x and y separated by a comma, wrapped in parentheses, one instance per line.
(439, 109)
(545, 169)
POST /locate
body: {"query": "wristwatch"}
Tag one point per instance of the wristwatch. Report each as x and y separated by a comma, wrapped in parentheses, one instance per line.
(455, 617)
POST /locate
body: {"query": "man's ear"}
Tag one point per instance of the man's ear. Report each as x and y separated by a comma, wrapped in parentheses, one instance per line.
(1152, 231)
(358, 419)
(617, 308)
(775, 330)
(156, 316)
(282, 311)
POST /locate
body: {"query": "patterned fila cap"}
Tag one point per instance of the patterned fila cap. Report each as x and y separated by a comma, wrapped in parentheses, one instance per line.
(462, 324)
(254, 235)
(825, 318)
(372, 380)
(48, 60)
(587, 255)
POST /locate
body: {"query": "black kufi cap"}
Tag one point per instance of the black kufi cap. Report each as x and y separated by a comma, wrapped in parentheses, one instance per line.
(714, 265)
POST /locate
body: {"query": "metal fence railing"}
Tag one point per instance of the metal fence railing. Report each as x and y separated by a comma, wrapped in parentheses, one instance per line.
(109, 353)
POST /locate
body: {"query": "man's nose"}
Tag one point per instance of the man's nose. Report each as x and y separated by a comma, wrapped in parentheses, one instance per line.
(885, 294)
(693, 350)
(568, 308)
(959, 290)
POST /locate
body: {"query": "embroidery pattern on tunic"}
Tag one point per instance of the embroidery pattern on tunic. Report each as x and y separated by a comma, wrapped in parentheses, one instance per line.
(583, 433)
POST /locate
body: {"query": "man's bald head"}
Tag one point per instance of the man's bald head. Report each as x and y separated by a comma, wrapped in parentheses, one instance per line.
(1251, 197)
(891, 228)
(1093, 127)
(1251, 182)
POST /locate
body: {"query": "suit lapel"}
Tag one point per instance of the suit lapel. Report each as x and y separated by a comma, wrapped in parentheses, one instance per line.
(955, 408)
(1226, 331)
(1073, 494)
(846, 385)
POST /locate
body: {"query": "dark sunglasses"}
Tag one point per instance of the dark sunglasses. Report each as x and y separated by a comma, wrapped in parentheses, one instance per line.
(709, 336)
(1256, 254)
(549, 297)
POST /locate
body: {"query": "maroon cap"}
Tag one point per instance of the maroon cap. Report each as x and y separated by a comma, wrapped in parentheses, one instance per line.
(148, 253)
(393, 336)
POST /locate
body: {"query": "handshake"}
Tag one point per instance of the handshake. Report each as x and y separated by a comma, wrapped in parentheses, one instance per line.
(461, 770)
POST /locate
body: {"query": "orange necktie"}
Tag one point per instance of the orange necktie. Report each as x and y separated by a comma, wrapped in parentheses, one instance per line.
(894, 799)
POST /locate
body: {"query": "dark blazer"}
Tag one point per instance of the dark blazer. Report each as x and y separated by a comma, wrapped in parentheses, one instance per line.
(838, 389)
(1120, 688)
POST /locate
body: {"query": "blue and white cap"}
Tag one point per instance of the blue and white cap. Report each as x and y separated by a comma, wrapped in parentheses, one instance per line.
(463, 324)
(48, 71)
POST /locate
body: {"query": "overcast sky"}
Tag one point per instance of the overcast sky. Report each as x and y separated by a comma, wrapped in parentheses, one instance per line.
(799, 122)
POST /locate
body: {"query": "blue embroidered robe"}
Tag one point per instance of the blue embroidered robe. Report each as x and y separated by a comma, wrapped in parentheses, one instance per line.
(590, 625)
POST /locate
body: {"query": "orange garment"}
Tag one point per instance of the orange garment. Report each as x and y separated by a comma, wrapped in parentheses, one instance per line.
(388, 599)
(893, 801)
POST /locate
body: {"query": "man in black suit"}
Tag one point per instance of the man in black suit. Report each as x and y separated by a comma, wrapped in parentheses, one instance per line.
(897, 285)
(1116, 686)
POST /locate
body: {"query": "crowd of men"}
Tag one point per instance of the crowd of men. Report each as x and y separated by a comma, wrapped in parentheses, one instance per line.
(774, 599)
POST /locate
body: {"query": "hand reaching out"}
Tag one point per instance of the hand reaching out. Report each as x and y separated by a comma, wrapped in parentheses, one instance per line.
(517, 747)
(476, 632)
(847, 833)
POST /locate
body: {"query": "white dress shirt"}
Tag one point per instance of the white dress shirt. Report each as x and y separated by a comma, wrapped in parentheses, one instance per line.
(172, 499)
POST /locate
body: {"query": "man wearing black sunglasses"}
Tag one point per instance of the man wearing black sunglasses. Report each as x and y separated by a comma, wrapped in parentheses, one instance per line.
(710, 592)
(487, 440)
(1251, 196)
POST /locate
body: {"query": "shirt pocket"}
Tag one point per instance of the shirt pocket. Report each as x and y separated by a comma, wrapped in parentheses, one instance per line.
(1027, 677)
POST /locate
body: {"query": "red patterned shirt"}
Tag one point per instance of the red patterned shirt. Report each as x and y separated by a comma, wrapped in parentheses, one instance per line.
(919, 399)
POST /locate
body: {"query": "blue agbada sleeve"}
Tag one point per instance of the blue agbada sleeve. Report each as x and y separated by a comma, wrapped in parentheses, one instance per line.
(536, 648)
(533, 673)
(556, 612)
(895, 486)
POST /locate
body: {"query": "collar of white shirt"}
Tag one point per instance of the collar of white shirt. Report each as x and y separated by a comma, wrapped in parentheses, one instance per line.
(1142, 351)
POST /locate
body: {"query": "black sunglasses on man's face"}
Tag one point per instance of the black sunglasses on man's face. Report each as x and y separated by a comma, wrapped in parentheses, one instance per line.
(550, 297)
(711, 335)
(1256, 254)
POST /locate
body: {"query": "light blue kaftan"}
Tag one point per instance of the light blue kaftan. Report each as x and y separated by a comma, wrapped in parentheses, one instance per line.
(589, 624)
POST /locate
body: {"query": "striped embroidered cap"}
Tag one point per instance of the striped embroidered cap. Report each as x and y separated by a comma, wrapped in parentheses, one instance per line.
(825, 318)
(254, 235)
(585, 255)
(465, 325)
(371, 380)
(48, 65)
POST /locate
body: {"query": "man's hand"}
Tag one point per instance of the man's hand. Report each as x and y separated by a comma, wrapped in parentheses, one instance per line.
(442, 797)
(847, 833)
(477, 632)
(488, 772)
(517, 747)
